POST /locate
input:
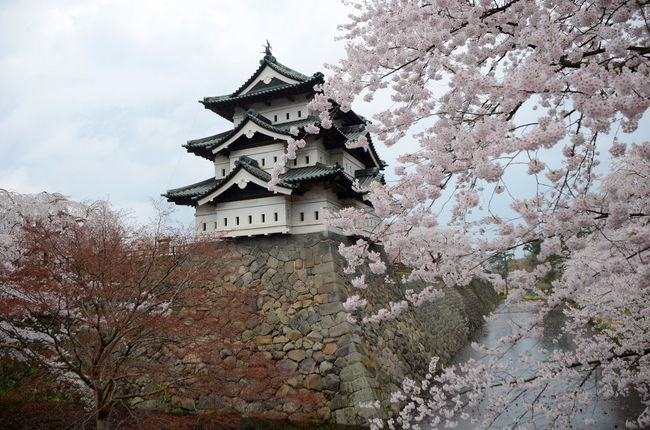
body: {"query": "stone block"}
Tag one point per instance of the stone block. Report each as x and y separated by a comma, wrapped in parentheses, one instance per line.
(319, 356)
(272, 317)
(302, 275)
(345, 416)
(296, 355)
(325, 367)
(283, 255)
(307, 366)
(341, 329)
(286, 366)
(314, 317)
(330, 348)
(290, 406)
(321, 298)
(327, 322)
(293, 335)
(266, 277)
(358, 384)
(330, 308)
(323, 268)
(280, 339)
(263, 340)
(288, 267)
(304, 327)
(314, 382)
(288, 346)
(298, 264)
(229, 287)
(363, 396)
(293, 382)
(264, 329)
(352, 372)
(315, 334)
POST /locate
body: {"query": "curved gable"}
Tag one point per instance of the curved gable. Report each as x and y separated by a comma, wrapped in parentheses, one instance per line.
(249, 126)
(266, 78)
(241, 179)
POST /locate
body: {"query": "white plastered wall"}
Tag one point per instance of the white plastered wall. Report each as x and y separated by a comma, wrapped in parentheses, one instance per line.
(210, 219)
(316, 152)
(277, 111)
(214, 218)
(318, 199)
(265, 155)
(349, 163)
(221, 166)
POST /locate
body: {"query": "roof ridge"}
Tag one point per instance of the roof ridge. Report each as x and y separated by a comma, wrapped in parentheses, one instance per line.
(205, 181)
(234, 96)
(206, 139)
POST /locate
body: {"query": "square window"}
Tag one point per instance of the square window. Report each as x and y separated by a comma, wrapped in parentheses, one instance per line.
(263, 161)
(223, 172)
(316, 215)
(215, 225)
(307, 159)
(237, 220)
(263, 218)
(275, 159)
(287, 115)
(205, 226)
(302, 216)
(275, 216)
(275, 118)
(299, 114)
(295, 161)
(225, 222)
(250, 219)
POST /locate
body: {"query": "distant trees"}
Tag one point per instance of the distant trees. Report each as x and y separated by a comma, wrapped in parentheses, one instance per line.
(114, 310)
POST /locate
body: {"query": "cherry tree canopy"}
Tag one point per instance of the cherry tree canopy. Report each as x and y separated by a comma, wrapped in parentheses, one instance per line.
(505, 96)
(118, 313)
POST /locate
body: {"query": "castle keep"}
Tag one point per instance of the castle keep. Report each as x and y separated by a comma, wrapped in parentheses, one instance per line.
(236, 199)
(292, 260)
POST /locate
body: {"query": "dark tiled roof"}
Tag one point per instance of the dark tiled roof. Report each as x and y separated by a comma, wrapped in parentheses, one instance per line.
(311, 173)
(367, 176)
(189, 194)
(228, 99)
(204, 146)
(293, 179)
(225, 105)
(252, 167)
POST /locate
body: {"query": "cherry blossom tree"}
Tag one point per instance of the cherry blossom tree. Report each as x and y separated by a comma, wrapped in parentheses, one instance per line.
(120, 313)
(521, 120)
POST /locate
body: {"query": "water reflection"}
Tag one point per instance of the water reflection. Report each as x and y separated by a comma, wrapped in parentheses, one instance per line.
(608, 414)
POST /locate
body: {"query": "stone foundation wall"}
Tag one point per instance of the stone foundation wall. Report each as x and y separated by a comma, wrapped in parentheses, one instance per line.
(305, 330)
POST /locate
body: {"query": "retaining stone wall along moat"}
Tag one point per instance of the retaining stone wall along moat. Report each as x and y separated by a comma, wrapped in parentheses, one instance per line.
(304, 329)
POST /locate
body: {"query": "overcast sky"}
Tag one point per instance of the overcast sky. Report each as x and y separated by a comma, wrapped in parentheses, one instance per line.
(97, 97)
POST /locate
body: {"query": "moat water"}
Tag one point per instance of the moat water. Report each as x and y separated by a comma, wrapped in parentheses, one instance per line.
(607, 413)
